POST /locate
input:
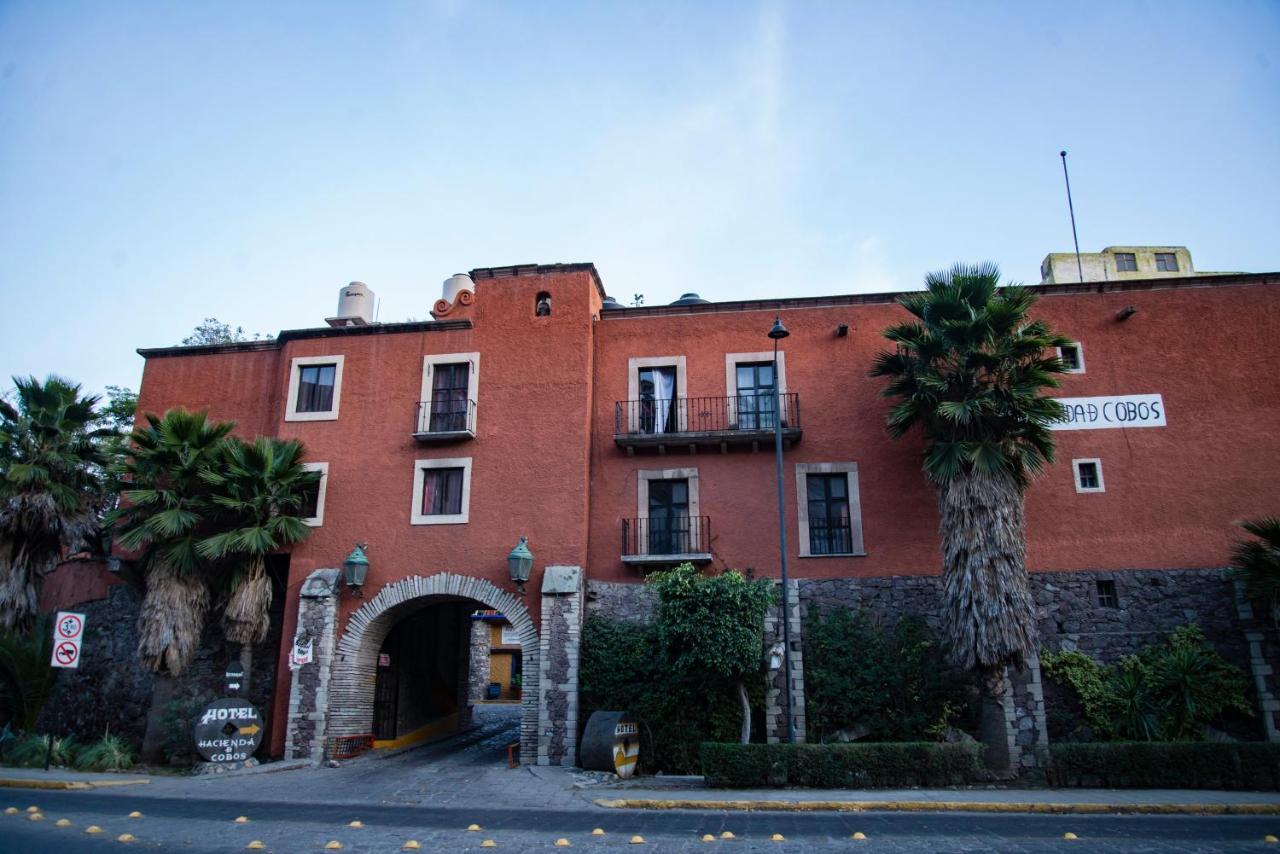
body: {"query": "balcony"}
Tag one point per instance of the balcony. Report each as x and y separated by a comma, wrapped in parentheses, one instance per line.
(707, 422)
(445, 421)
(666, 541)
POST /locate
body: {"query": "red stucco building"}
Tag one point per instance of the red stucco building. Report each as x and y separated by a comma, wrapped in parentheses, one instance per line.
(616, 439)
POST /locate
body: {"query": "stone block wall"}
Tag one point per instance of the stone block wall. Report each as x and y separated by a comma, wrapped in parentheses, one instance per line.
(775, 721)
(479, 668)
(562, 616)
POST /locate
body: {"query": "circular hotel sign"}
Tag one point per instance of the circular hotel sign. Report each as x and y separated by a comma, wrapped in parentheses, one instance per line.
(228, 731)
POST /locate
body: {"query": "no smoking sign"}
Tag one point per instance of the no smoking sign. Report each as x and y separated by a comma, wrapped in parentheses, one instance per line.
(68, 632)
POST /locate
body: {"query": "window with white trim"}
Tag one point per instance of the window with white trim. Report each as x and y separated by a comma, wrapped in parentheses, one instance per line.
(667, 509)
(441, 491)
(656, 393)
(315, 388)
(1072, 357)
(749, 382)
(1088, 475)
(829, 510)
(450, 388)
(312, 510)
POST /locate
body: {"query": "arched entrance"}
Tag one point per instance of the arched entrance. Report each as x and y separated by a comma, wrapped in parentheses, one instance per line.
(352, 685)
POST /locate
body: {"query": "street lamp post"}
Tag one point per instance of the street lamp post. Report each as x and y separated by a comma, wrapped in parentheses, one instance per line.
(777, 333)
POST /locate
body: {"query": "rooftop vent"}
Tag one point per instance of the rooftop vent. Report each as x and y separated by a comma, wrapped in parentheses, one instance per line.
(691, 299)
(611, 304)
(355, 306)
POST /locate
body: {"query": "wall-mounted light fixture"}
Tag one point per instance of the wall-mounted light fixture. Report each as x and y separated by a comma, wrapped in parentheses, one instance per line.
(355, 569)
(1125, 313)
(520, 563)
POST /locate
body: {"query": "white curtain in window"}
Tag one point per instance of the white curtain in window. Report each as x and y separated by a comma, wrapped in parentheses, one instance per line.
(664, 397)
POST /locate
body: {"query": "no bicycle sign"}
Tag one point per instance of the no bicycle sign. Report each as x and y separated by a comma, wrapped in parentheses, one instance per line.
(68, 632)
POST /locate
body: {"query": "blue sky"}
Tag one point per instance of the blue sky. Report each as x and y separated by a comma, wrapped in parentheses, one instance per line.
(165, 162)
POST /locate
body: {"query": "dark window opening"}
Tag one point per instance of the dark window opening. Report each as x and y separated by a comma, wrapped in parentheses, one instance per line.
(1088, 475)
(669, 528)
(1166, 262)
(755, 382)
(441, 492)
(658, 400)
(1069, 354)
(449, 397)
(542, 305)
(310, 508)
(1126, 262)
(830, 531)
(315, 388)
(1107, 595)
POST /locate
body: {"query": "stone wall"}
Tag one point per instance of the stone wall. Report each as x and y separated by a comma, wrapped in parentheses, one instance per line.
(619, 601)
(562, 616)
(479, 669)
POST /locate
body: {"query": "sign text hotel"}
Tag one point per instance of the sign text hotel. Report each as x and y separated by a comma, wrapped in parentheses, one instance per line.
(1101, 413)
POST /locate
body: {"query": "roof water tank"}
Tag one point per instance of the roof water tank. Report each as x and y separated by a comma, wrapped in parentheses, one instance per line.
(355, 306)
(610, 304)
(455, 284)
(691, 299)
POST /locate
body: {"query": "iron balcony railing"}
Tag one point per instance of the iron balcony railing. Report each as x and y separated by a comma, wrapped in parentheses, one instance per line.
(827, 539)
(445, 418)
(662, 536)
(724, 415)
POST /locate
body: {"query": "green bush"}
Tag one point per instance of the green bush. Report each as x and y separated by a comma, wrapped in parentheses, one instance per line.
(840, 766)
(1166, 765)
(26, 679)
(896, 682)
(29, 752)
(622, 669)
(1167, 692)
(109, 753)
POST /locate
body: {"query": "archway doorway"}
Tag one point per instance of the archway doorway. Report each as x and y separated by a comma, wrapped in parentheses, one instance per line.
(401, 670)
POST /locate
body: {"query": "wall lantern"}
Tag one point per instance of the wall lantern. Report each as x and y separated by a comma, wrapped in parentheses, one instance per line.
(355, 568)
(520, 563)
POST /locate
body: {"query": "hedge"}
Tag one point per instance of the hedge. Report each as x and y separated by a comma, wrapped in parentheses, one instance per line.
(1166, 765)
(887, 765)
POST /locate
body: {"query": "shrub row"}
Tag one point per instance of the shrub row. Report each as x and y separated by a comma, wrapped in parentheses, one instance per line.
(1166, 765)
(839, 766)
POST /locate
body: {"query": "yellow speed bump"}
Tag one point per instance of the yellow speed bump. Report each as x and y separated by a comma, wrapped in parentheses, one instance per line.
(1069, 836)
(256, 845)
(411, 845)
(11, 810)
(62, 822)
(126, 837)
(242, 819)
(860, 836)
(1268, 838)
(599, 831)
(33, 809)
(473, 828)
(777, 837)
(36, 816)
(357, 824)
(333, 845)
(637, 840)
(92, 829)
(135, 814)
(707, 837)
(563, 843)
(728, 834)
(488, 843)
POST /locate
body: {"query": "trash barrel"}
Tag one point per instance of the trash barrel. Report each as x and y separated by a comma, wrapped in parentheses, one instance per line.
(611, 742)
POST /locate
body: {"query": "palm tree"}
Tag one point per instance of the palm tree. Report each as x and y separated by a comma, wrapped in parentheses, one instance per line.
(969, 370)
(50, 459)
(261, 486)
(163, 515)
(1257, 562)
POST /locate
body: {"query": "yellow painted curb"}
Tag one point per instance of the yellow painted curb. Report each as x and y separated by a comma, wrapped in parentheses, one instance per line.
(23, 783)
(939, 806)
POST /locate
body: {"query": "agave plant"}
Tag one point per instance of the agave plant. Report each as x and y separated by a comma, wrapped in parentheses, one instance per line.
(50, 459)
(970, 371)
(260, 488)
(1256, 562)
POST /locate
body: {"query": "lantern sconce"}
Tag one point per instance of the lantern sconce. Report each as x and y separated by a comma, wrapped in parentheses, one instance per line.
(355, 568)
(520, 564)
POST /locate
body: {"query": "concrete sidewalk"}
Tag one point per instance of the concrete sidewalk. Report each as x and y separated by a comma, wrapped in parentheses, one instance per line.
(65, 778)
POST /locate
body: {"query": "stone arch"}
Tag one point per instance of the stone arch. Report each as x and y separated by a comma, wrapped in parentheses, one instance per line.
(355, 657)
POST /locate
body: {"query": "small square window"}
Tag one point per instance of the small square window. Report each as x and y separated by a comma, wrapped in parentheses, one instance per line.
(315, 388)
(1107, 595)
(1126, 262)
(441, 492)
(1088, 475)
(1166, 262)
(312, 510)
(1072, 358)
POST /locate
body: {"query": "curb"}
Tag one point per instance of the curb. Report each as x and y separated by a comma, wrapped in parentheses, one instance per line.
(25, 783)
(939, 806)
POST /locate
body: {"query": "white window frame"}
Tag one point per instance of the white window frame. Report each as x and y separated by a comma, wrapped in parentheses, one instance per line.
(429, 363)
(1079, 352)
(850, 471)
(731, 362)
(317, 520)
(416, 517)
(644, 476)
(1075, 471)
(295, 379)
(634, 365)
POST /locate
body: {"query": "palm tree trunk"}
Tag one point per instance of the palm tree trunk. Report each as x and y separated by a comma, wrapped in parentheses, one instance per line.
(989, 615)
(171, 620)
(246, 664)
(155, 736)
(744, 735)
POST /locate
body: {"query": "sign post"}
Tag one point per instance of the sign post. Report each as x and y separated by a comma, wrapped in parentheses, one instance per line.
(68, 632)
